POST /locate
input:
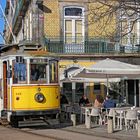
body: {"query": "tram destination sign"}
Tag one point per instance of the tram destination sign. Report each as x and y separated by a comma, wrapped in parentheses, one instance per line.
(38, 60)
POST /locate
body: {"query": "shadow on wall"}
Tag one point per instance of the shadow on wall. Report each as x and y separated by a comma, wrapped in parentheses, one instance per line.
(44, 9)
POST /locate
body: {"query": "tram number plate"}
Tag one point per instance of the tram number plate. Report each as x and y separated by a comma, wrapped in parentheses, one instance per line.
(18, 93)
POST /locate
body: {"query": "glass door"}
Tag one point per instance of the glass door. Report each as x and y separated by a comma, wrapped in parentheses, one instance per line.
(74, 30)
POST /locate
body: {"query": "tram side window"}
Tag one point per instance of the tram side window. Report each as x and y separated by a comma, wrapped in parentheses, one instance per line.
(38, 72)
(19, 73)
(53, 71)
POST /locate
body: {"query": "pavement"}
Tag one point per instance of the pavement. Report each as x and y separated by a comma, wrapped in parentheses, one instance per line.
(66, 131)
(13, 134)
(79, 132)
(101, 131)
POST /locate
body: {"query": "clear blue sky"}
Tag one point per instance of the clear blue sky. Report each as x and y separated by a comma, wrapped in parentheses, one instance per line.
(3, 3)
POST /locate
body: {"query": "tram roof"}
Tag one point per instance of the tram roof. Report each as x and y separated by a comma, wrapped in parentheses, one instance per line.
(13, 50)
(29, 54)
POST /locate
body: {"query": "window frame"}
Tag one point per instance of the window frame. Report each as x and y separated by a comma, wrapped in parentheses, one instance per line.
(42, 81)
(73, 20)
(13, 72)
(74, 7)
(55, 72)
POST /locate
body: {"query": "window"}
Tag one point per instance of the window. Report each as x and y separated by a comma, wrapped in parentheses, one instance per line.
(53, 67)
(74, 29)
(79, 91)
(97, 88)
(67, 91)
(73, 12)
(38, 70)
(19, 72)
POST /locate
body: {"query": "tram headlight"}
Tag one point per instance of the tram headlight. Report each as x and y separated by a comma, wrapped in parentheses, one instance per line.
(39, 97)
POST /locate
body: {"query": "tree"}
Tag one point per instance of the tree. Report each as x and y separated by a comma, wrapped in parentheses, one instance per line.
(118, 90)
(124, 14)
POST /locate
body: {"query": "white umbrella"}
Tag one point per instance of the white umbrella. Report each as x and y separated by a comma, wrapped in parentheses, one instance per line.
(112, 67)
(109, 66)
(109, 70)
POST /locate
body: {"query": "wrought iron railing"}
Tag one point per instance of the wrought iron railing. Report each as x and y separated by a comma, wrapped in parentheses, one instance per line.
(88, 46)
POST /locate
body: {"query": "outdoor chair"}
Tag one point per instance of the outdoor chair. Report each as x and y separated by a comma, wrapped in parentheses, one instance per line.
(104, 115)
(131, 119)
(82, 114)
(120, 116)
(95, 114)
(110, 114)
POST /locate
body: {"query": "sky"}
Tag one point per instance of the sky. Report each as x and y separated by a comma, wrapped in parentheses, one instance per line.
(3, 3)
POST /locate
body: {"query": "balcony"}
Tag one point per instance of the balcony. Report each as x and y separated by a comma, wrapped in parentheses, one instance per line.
(21, 8)
(89, 46)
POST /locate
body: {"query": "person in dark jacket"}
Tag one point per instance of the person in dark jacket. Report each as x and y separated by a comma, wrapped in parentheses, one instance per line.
(109, 103)
(84, 101)
(63, 99)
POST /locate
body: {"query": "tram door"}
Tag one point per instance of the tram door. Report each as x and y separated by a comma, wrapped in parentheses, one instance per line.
(5, 83)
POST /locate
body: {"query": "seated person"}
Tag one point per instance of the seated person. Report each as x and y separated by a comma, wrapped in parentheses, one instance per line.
(34, 73)
(109, 103)
(84, 101)
(63, 99)
(98, 101)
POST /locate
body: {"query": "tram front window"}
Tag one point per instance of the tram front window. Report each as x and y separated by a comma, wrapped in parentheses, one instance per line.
(38, 72)
(19, 73)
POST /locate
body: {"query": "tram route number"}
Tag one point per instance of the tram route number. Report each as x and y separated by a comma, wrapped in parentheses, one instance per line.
(18, 93)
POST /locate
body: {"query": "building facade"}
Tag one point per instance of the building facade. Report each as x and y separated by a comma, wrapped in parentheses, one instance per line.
(66, 28)
(63, 25)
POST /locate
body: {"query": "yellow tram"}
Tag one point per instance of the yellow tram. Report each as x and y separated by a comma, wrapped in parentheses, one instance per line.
(29, 88)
